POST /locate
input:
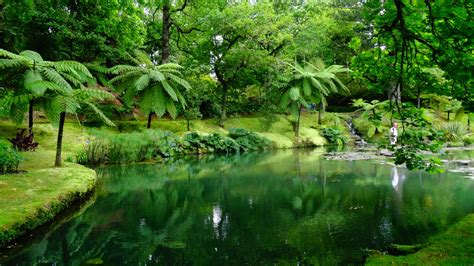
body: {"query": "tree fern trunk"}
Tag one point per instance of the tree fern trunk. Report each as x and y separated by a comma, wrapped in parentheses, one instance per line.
(30, 117)
(418, 98)
(319, 113)
(297, 127)
(150, 116)
(59, 144)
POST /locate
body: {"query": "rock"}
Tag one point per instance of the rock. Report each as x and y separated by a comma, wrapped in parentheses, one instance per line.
(386, 152)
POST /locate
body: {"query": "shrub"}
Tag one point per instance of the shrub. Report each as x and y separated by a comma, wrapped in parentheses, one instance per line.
(249, 141)
(194, 142)
(9, 158)
(153, 144)
(334, 135)
(24, 141)
(454, 131)
(469, 139)
(219, 144)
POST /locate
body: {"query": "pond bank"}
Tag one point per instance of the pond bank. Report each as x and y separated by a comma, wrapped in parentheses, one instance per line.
(453, 247)
(31, 199)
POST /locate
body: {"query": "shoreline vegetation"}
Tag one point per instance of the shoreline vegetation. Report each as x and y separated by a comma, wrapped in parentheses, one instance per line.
(34, 197)
(452, 247)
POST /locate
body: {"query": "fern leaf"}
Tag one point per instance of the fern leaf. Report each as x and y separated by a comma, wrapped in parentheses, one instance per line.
(32, 55)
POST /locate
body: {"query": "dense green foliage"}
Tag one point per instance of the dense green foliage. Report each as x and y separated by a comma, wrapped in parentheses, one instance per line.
(156, 144)
(9, 158)
(260, 57)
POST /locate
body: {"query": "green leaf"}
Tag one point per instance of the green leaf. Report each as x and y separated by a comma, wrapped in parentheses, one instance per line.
(294, 93)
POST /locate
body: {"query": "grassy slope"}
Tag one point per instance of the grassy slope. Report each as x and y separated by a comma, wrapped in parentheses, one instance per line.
(280, 132)
(33, 198)
(454, 247)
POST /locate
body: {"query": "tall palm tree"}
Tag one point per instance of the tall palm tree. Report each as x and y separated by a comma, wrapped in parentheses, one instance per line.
(154, 86)
(313, 83)
(59, 87)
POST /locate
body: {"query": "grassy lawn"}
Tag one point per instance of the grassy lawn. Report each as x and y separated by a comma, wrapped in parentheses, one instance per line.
(30, 199)
(454, 247)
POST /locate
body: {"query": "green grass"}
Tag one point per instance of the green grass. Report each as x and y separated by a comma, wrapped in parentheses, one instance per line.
(281, 132)
(33, 198)
(454, 247)
(30, 199)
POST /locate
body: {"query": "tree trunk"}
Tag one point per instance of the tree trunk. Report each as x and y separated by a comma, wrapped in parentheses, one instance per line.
(150, 116)
(30, 117)
(394, 93)
(223, 105)
(62, 118)
(468, 121)
(448, 115)
(418, 98)
(319, 113)
(165, 36)
(297, 126)
(187, 123)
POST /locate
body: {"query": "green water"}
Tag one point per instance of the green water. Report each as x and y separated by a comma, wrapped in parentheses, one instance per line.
(253, 209)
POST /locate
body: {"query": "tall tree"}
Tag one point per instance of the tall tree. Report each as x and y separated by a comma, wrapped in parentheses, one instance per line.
(85, 31)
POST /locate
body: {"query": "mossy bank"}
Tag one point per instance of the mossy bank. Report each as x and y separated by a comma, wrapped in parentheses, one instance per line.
(31, 199)
(453, 247)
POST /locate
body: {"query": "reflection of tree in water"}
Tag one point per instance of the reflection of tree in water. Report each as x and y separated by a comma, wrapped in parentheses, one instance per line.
(254, 209)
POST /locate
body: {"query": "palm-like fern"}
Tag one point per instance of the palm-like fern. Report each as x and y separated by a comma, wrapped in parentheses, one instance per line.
(37, 77)
(154, 86)
(58, 86)
(312, 82)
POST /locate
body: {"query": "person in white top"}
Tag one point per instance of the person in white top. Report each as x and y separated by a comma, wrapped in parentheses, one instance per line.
(393, 134)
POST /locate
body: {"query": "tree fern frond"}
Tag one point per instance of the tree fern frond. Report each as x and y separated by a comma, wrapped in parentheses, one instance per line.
(68, 66)
(142, 58)
(123, 77)
(55, 77)
(120, 69)
(156, 75)
(11, 63)
(171, 108)
(181, 99)
(32, 55)
(100, 114)
(142, 82)
(97, 68)
(179, 81)
(7, 54)
(169, 90)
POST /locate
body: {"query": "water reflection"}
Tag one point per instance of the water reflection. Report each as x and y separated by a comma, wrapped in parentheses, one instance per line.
(284, 207)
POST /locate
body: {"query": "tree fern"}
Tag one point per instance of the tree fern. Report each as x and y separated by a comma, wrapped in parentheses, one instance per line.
(156, 88)
(59, 87)
(310, 82)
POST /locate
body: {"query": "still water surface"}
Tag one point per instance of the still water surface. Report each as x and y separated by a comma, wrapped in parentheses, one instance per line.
(266, 208)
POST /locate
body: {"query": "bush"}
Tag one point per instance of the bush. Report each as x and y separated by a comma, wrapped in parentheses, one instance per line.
(334, 135)
(216, 143)
(249, 141)
(468, 139)
(454, 131)
(154, 144)
(9, 158)
(130, 147)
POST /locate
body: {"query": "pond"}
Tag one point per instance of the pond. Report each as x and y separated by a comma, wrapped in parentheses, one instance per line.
(265, 208)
